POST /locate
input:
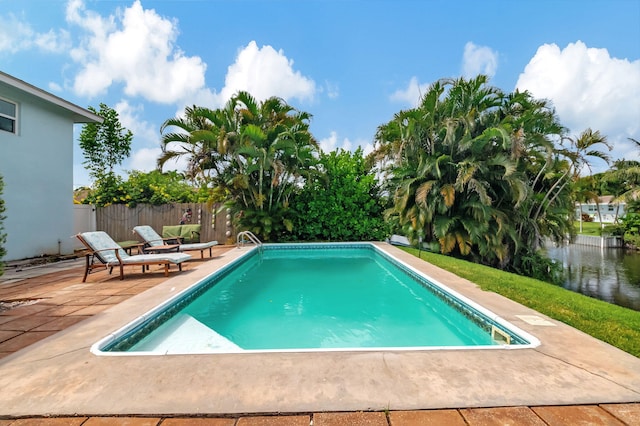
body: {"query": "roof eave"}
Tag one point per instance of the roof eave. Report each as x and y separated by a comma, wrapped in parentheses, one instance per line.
(80, 115)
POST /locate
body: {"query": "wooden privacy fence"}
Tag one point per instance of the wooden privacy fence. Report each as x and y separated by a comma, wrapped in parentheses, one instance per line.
(118, 220)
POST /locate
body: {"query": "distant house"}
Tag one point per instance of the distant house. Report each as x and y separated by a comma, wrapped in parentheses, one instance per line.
(36, 162)
(608, 211)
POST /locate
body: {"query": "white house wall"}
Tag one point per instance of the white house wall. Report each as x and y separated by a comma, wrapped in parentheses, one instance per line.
(608, 212)
(37, 167)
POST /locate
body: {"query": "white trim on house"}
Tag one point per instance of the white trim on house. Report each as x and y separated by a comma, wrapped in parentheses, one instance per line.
(609, 212)
(12, 118)
(80, 115)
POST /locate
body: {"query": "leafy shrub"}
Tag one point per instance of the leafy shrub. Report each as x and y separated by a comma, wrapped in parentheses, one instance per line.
(342, 204)
(631, 223)
(270, 225)
(586, 217)
(153, 188)
(158, 188)
(631, 228)
(537, 265)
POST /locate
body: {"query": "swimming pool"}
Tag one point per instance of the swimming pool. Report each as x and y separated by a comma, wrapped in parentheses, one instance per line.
(311, 297)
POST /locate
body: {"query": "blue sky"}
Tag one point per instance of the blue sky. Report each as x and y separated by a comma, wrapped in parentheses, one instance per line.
(352, 64)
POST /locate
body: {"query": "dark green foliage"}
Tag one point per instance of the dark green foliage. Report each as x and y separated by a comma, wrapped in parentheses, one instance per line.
(631, 229)
(538, 266)
(482, 174)
(272, 225)
(342, 204)
(254, 155)
(158, 188)
(3, 236)
(107, 190)
(631, 222)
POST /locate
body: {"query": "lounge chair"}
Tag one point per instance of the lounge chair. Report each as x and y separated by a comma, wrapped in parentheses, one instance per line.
(152, 239)
(109, 254)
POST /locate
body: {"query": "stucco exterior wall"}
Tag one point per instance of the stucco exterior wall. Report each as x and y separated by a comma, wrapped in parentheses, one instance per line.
(37, 166)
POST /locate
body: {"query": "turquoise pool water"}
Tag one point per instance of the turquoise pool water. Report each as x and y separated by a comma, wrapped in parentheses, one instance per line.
(313, 297)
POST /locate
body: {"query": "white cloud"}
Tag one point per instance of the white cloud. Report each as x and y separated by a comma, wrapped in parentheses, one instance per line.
(332, 143)
(135, 47)
(130, 117)
(179, 163)
(54, 87)
(145, 160)
(589, 89)
(265, 72)
(332, 89)
(81, 177)
(145, 135)
(412, 94)
(329, 144)
(16, 35)
(367, 147)
(479, 60)
(476, 60)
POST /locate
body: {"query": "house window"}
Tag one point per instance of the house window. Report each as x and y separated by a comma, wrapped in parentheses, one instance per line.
(611, 207)
(8, 116)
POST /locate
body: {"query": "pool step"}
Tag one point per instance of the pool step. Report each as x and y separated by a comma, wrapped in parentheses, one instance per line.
(187, 335)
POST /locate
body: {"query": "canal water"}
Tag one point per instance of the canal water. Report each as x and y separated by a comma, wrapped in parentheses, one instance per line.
(611, 274)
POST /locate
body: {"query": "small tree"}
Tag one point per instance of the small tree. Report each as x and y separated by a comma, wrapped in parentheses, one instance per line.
(104, 145)
(3, 236)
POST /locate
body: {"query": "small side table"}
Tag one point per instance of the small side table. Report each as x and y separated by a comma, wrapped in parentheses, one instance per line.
(128, 246)
(162, 249)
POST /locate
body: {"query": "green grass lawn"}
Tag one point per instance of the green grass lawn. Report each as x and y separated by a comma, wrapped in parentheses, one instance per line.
(613, 324)
(589, 228)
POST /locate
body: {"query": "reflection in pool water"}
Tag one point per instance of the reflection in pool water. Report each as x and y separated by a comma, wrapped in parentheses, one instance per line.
(612, 275)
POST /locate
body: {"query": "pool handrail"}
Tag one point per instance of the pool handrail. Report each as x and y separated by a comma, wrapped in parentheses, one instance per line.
(240, 239)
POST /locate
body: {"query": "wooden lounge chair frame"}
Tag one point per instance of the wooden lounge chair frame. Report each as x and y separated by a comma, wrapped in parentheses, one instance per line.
(145, 260)
(151, 238)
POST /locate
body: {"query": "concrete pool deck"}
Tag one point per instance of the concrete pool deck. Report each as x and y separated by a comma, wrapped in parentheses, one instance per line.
(59, 376)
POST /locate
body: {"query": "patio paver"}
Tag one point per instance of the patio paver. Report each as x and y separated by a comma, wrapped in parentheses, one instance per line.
(520, 416)
(577, 415)
(122, 421)
(23, 340)
(198, 422)
(26, 323)
(275, 421)
(58, 421)
(426, 418)
(628, 413)
(352, 419)
(61, 323)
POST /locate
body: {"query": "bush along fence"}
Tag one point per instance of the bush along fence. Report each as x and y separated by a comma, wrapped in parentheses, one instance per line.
(118, 220)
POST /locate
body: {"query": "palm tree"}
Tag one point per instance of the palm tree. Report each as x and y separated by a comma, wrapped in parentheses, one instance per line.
(252, 154)
(580, 152)
(627, 174)
(451, 163)
(191, 138)
(469, 168)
